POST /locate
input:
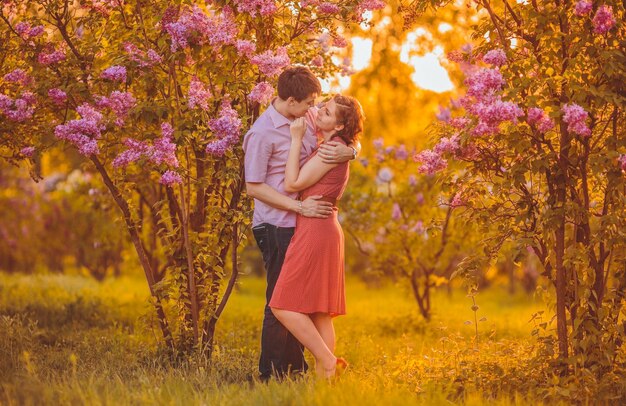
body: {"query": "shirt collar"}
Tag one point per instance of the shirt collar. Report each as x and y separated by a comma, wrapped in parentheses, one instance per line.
(277, 119)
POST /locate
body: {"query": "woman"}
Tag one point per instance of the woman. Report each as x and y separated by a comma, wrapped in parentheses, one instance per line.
(310, 289)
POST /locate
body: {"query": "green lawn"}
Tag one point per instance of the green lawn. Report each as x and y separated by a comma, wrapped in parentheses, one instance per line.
(71, 340)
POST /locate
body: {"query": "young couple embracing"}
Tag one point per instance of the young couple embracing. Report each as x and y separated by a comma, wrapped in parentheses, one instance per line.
(296, 169)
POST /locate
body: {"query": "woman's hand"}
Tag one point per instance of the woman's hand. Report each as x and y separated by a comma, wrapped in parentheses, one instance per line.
(298, 128)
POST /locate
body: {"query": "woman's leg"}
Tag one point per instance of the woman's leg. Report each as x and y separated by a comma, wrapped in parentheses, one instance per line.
(302, 327)
(324, 325)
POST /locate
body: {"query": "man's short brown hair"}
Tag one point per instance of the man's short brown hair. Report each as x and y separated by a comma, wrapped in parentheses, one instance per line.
(298, 82)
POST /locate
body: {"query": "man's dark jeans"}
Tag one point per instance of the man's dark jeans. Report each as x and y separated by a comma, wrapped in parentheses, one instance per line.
(281, 353)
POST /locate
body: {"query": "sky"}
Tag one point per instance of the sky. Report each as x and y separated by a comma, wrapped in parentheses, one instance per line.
(427, 70)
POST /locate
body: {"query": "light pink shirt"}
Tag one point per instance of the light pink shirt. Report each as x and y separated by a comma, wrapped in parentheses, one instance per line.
(266, 147)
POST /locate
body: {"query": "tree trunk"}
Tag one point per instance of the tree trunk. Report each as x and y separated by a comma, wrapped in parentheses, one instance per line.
(141, 253)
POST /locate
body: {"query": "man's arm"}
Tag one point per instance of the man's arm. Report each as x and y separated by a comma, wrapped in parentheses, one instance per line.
(334, 152)
(310, 207)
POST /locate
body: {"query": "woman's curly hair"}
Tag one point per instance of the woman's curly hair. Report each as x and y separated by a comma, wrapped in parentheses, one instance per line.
(349, 113)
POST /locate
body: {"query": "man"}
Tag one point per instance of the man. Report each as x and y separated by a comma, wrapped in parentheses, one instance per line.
(266, 147)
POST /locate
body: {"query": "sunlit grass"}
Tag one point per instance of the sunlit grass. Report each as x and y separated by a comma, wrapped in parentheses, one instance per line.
(90, 346)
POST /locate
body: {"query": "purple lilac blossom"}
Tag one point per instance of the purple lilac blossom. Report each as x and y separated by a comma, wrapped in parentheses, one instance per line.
(82, 132)
(171, 178)
(114, 73)
(262, 93)
(431, 162)
(271, 63)
(583, 7)
(603, 21)
(57, 96)
(198, 95)
(575, 116)
(495, 57)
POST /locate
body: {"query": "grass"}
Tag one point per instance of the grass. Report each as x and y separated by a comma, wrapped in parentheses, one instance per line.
(71, 340)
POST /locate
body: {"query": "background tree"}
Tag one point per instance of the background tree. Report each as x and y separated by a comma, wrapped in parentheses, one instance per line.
(541, 130)
(157, 95)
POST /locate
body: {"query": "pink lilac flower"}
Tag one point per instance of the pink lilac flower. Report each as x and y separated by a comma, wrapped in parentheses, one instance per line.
(444, 114)
(378, 143)
(164, 149)
(271, 63)
(317, 61)
(27, 151)
(364, 161)
(346, 67)
(120, 103)
(83, 132)
(142, 58)
(495, 57)
(495, 112)
(389, 150)
(455, 56)
(135, 151)
(545, 124)
(170, 15)
(199, 95)
(114, 73)
(194, 25)
(412, 180)
(457, 200)
(324, 42)
(50, 58)
(18, 76)
(447, 145)
(20, 109)
(483, 128)
(104, 7)
(262, 93)
(22, 28)
(226, 128)
(385, 175)
(36, 31)
(170, 178)
(264, 7)
(418, 228)
(603, 21)
(370, 5)
(328, 8)
(248, 48)
(178, 35)
(340, 42)
(396, 212)
(154, 57)
(583, 7)
(455, 103)
(540, 119)
(460, 122)
(226, 29)
(484, 82)
(25, 30)
(419, 198)
(431, 162)
(575, 117)
(306, 3)
(401, 153)
(5, 102)
(57, 96)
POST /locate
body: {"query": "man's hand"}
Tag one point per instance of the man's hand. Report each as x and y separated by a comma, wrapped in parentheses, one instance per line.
(312, 207)
(334, 152)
